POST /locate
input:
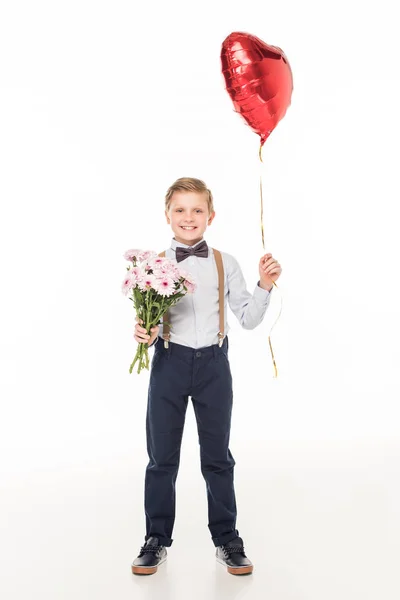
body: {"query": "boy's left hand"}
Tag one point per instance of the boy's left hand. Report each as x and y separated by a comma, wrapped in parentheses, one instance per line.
(269, 270)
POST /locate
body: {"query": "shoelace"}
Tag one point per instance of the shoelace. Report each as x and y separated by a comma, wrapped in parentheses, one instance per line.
(233, 549)
(149, 549)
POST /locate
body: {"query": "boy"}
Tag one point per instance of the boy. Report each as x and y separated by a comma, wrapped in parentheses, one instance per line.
(193, 361)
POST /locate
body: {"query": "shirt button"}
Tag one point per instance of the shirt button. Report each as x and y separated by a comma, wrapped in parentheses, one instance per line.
(198, 354)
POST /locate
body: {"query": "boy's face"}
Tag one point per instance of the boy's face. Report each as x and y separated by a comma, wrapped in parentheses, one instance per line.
(188, 216)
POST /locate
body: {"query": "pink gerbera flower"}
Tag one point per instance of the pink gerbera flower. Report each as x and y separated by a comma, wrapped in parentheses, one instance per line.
(168, 268)
(190, 286)
(146, 255)
(157, 262)
(127, 285)
(131, 254)
(164, 285)
(136, 274)
(147, 282)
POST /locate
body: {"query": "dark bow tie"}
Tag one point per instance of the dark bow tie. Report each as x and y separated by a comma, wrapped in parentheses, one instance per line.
(201, 250)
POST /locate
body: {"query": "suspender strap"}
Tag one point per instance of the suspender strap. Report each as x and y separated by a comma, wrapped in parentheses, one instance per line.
(221, 292)
(221, 299)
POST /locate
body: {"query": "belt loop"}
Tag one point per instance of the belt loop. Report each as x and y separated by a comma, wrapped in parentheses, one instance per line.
(224, 347)
(215, 350)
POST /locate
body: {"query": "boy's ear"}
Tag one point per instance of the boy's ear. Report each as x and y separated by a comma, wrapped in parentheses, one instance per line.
(167, 217)
(211, 217)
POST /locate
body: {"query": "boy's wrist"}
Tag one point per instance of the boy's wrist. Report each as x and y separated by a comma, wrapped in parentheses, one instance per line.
(265, 286)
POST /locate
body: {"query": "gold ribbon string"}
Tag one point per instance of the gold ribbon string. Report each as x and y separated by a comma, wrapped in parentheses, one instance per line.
(263, 243)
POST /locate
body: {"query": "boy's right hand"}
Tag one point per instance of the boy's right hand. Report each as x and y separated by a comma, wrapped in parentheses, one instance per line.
(141, 335)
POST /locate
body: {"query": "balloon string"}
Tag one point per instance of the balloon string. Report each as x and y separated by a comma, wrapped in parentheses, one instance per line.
(262, 204)
(270, 331)
(262, 237)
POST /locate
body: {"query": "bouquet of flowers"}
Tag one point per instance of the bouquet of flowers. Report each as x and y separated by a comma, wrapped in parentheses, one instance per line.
(155, 284)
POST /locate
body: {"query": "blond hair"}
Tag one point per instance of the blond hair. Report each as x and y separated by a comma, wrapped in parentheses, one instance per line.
(189, 184)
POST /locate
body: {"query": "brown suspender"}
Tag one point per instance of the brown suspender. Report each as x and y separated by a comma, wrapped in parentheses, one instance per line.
(221, 292)
(221, 298)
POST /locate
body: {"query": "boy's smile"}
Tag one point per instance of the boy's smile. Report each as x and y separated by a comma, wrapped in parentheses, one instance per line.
(189, 216)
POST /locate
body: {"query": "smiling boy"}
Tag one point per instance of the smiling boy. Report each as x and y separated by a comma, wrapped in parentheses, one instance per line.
(193, 361)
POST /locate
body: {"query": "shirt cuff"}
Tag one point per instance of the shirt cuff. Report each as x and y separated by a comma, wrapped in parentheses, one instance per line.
(154, 343)
(260, 293)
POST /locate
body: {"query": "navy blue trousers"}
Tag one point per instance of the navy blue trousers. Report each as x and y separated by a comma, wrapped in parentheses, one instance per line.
(204, 374)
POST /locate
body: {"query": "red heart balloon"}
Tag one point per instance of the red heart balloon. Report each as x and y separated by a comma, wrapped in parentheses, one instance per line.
(258, 79)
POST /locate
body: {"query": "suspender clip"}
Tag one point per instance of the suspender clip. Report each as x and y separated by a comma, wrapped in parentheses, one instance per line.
(166, 339)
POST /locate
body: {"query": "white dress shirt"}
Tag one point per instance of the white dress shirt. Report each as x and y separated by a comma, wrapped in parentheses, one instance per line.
(195, 318)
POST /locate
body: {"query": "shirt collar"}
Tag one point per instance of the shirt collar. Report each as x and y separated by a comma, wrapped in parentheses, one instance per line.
(175, 244)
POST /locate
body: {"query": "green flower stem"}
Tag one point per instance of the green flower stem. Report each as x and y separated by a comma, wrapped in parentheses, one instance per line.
(145, 314)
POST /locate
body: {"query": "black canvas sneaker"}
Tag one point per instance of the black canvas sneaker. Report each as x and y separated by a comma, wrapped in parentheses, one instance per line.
(233, 557)
(151, 555)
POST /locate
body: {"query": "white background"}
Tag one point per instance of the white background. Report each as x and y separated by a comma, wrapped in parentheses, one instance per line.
(102, 106)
